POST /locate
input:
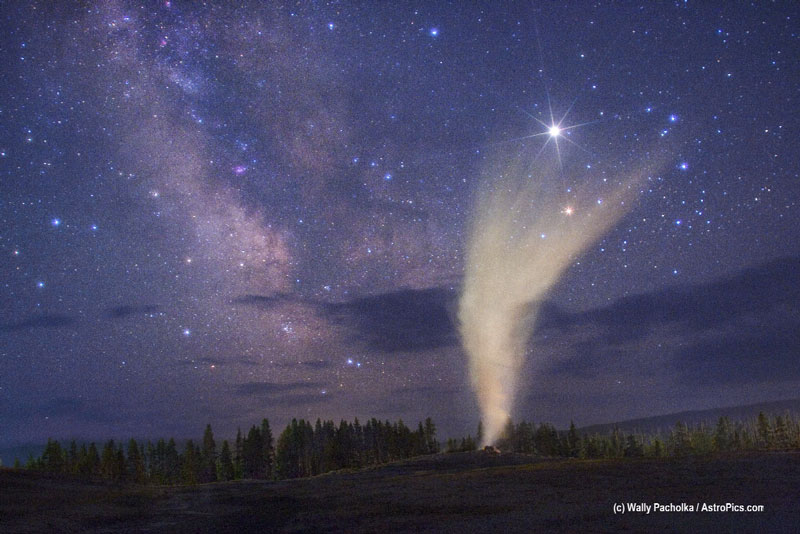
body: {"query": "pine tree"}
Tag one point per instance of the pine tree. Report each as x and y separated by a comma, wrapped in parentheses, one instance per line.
(93, 460)
(526, 438)
(781, 433)
(252, 454)
(419, 445)
(431, 443)
(702, 441)
(765, 433)
(190, 468)
(573, 441)
(119, 467)
(238, 464)
(109, 467)
(633, 447)
(470, 444)
(723, 440)
(658, 448)
(208, 457)
(358, 444)
(680, 440)
(225, 471)
(287, 453)
(268, 451)
(33, 463)
(53, 457)
(135, 464)
(72, 458)
(172, 463)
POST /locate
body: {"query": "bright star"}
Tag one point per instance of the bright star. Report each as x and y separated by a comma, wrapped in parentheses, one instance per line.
(554, 131)
(568, 210)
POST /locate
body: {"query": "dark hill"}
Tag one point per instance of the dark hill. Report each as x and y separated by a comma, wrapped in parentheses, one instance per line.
(663, 423)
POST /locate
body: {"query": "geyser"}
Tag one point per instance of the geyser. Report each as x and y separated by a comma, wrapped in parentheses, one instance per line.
(523, 236)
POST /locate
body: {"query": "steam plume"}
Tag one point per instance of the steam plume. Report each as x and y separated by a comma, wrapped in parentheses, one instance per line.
(523, 237)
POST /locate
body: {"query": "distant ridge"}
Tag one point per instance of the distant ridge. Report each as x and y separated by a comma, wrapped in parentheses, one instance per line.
(663, 423)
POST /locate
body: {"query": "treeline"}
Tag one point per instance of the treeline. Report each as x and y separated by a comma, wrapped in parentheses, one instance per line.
(300, 450)
(780, 432)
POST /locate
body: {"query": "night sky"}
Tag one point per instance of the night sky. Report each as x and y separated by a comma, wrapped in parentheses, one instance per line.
(218, 214)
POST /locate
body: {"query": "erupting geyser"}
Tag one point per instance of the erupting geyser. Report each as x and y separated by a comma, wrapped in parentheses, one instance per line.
(523, 237)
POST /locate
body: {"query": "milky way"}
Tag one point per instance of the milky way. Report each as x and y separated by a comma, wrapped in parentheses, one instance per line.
(214, 213)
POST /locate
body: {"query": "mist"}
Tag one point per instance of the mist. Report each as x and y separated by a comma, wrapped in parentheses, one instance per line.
(525, 232)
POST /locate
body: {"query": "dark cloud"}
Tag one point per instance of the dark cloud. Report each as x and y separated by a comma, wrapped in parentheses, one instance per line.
(219, 361)
(699, 307)
(126, 310)
(285, 394)
(763, 354)
(72, 408)
(306, 364)
(316, 364)
(299, 399)
(589, 355)
(264, 302)
(274, 388)
(407, 320)
(51, 320)
(742, 329)
(423, 399)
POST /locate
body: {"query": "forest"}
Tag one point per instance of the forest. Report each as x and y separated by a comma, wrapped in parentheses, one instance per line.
(304, 450)
(301, 450)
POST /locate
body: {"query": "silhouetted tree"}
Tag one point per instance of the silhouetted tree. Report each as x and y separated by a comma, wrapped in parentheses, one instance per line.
(238, 448)
(53, 457)
(723, 439)
(573, 441)
(633, 447)
(72, 458)
(268, 450)
(135, 464)
(287, 452)
(765, 432)
(225, 471)
(781, 434)
(191, 464)
(431, 445)
(680, 441)
(253, 454)
(208, 457)
(110, 467)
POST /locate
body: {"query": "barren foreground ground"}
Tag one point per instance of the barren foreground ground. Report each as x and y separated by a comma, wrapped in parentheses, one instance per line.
(466, 492)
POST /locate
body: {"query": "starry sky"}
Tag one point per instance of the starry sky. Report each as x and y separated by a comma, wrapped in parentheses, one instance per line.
(218, 213)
